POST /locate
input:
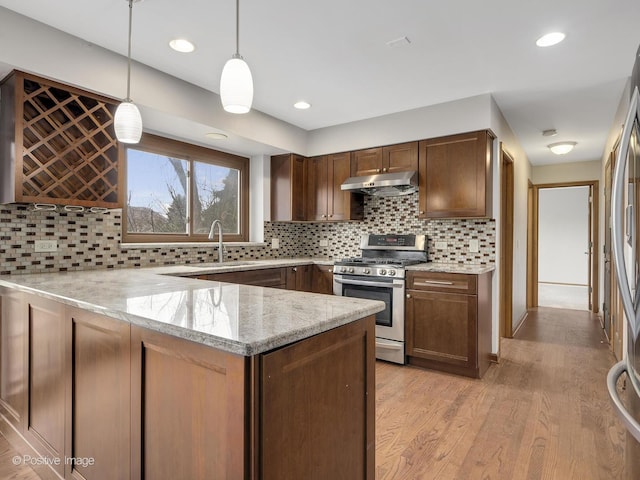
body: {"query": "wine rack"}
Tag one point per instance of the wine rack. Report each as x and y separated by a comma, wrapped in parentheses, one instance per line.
(66, 151)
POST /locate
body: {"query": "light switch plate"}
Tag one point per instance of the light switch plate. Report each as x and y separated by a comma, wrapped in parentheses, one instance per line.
(275, 243)
(474, 246)
(324, 242)
(441, 245)
(46, 245)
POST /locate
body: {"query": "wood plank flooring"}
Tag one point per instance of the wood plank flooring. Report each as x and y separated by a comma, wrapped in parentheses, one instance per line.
(542, 413)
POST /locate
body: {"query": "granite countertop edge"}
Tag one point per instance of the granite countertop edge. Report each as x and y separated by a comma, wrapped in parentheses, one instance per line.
(452, 268)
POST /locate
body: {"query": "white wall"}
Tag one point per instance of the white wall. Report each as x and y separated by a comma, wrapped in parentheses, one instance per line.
(563, 235)
(521, 176)
(259, 196)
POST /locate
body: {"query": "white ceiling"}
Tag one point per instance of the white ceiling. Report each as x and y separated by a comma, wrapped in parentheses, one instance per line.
(333, 53)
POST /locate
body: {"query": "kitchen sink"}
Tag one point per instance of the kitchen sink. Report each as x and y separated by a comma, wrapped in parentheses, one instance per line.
(217, 264)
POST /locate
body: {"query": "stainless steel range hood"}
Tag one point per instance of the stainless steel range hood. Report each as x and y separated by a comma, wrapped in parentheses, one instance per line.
(383, 184)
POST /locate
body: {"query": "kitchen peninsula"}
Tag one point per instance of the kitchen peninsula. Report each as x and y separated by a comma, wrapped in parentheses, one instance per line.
(156, 376)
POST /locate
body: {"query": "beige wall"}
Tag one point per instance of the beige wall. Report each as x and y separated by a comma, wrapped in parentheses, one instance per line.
(566, 172)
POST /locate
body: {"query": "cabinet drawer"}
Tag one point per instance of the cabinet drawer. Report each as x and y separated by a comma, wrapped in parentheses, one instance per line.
(442, 282)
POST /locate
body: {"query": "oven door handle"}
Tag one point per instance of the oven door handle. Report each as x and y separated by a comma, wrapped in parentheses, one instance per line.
(365, 283)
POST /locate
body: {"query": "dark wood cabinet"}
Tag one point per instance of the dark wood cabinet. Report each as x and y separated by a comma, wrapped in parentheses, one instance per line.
(14, 360)
(58, 144)
(288, 188)
(299, 277)
(144, 404)
(455, 176)
(322, 279)
(325, 199)
(448, 322)
(307, 390)
(187, 409)
(48, 381)
(401, 157)
(101, 386)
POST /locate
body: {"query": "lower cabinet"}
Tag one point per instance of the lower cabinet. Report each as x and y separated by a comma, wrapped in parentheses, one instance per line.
(299, 278)
(265, 277)
(448, 322)
(322, 279)
(103, 399)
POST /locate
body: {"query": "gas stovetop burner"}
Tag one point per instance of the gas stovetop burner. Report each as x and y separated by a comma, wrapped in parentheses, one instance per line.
(400, 262)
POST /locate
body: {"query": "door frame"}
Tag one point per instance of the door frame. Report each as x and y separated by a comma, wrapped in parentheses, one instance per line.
(593, 235)
(506, 243)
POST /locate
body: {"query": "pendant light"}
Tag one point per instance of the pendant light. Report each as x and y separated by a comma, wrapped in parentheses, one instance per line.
(127, 120)
(236, 83)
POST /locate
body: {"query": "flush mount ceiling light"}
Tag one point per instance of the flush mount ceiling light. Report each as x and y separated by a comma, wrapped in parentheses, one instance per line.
(236, 83)
(552, 132)
(216, 136)
(550, 39)
(302, 105)
(182, 45)
(127, 121)
(562, 148)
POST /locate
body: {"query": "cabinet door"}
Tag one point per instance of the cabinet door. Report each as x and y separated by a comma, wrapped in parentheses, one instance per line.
(442, 327)
(317, 188)
(49, 370)
(322, 279)
(317, 406)
(455, 176)
(400, 158)
(340, 202)
(288, 180)
(13, 357)
(299, 278)
(100, 410)
(366, 162)
(188, 408)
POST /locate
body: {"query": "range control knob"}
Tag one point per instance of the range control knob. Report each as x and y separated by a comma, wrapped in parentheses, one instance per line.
(366, 271)
(351, 270)
(392, 273)
(343, 269)
(383, 272)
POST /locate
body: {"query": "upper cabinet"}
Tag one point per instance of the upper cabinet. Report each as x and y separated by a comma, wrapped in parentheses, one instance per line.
(57, 144)
(393, 158)
(455, 176)
(326, 200)
(288, 188)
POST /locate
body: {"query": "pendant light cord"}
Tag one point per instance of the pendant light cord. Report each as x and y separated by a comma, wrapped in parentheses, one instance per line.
(238, 28)
(128, 99)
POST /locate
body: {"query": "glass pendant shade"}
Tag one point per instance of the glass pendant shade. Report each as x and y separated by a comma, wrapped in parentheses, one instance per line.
(127, 123)
(236, 86)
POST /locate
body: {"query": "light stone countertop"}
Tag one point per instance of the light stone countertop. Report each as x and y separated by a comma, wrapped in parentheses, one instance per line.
(452, 268)
(240, 319)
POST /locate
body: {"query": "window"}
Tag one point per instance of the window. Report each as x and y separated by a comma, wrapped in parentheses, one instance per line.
(176, 190)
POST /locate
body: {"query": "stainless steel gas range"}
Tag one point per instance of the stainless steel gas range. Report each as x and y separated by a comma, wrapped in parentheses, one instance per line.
(379, 274)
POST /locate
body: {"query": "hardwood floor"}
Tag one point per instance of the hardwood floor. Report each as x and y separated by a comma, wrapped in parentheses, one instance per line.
(542, 413)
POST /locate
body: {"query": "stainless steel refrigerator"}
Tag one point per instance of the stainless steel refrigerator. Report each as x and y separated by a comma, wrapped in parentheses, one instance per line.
(625, 233)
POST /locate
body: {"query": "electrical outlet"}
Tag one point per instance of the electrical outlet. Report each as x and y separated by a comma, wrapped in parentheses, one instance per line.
(441, 245)
(275, 243)
(46, 245)
(474, 246)
(324, 242)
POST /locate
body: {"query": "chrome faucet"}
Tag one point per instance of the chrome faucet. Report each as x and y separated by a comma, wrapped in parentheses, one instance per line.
(220, 245)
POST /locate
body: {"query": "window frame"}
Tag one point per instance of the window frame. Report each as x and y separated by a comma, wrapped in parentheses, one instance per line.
(191, 153)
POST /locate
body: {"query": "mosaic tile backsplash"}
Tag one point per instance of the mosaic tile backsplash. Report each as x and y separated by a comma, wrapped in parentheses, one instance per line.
(92, 240)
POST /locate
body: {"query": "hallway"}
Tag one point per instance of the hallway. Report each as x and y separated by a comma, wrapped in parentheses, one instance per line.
(541, 413)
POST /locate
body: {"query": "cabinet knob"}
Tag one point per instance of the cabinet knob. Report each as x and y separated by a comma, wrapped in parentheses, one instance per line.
(324, 216)
(421, 212)
(331, 216)
(384, 169)
(330, 270)
(377, 170)
(294, 269)
(408, 295)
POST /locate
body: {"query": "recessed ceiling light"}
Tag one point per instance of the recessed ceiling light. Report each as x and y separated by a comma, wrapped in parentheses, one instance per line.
(550, 39)
(216, 136)
(302, 105)
(561, 148)
(182, 45)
